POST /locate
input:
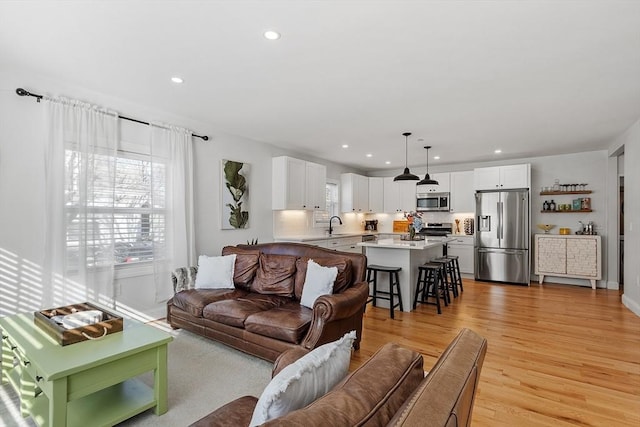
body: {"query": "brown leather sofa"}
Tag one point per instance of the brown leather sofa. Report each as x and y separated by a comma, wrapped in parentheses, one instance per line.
(262, 315)
(389, 389)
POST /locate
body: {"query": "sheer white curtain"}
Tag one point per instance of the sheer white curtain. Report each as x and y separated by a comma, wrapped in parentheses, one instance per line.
(172, 146)
(82, 141)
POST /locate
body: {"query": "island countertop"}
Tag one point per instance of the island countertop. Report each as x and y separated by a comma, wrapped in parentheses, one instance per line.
(418, 245)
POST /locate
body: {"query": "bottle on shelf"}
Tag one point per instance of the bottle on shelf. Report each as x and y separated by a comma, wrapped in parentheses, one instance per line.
(552, 205)
(556, 186)
(545, 206)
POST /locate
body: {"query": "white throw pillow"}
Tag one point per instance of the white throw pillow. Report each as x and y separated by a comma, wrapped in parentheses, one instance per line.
(318, 281)
(305, 380)
(215, 272)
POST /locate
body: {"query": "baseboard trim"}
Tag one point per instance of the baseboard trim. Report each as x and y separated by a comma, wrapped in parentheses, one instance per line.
(631, 305)
(613, 285)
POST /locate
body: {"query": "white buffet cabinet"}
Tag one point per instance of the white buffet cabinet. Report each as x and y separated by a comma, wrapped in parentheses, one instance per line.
(576, 256)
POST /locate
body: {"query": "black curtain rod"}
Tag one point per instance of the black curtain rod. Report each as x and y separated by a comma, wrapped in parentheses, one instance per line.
(22, 92)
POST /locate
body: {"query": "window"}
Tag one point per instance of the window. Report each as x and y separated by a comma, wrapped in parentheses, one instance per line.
(125, 221)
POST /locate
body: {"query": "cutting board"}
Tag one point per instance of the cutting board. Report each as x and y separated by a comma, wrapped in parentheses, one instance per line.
(400, 226)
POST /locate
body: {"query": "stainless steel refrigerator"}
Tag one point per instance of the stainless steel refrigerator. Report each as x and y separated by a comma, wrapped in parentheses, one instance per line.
(502, 236)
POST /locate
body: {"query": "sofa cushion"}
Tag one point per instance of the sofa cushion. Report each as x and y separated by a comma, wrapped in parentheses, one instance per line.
(371, 395)
(215, 272)
(288, 322)
(247, 261)
(305, 380)
(344, 272)
(318, 281)
(193, 301)
(275, 275)
(233, 312)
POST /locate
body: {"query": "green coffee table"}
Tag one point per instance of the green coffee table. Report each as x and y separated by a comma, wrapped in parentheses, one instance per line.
(91, 383)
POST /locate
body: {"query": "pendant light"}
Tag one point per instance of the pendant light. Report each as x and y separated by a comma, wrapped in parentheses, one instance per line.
(406, 175)
(427, 179)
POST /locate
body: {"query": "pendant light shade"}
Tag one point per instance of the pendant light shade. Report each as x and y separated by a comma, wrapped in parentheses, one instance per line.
(406, 175)
(427, 179)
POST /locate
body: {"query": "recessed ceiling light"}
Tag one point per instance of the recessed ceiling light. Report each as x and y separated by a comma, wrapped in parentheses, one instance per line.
(176, 80)
(436, 157)
(369, 155)
(387, 162)
(498, 151)
(271, 35)
(345, 145)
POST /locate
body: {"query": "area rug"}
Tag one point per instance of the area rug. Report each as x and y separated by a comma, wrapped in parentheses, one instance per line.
(203, 375)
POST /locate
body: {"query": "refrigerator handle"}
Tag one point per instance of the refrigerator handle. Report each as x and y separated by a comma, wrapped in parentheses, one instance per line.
(499, 227)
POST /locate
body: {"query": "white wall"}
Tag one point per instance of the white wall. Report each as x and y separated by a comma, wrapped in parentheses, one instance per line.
(22, 191)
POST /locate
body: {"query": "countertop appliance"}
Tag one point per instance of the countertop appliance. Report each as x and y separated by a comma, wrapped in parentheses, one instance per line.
(426, 202)
(502, 236)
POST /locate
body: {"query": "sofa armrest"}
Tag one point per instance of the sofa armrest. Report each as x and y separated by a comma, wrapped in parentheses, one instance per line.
(287, 358)
(235, 413)
(327, 309)
(183, 278)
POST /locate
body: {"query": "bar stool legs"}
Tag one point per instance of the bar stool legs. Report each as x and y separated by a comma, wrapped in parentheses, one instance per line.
(429, 285)
(394, 287)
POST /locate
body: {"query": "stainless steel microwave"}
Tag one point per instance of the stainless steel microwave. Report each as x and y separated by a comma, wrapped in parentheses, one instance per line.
(432, 202)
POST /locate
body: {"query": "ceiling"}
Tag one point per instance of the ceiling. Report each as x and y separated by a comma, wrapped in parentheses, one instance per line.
(530, 78)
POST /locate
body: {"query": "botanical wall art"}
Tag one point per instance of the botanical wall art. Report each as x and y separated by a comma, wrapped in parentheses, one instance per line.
(235, 195)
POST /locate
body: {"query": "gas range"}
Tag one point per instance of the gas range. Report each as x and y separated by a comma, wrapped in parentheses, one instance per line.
(436, 229)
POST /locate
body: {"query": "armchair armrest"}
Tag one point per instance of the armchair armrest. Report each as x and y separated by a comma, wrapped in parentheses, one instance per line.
(343, 310)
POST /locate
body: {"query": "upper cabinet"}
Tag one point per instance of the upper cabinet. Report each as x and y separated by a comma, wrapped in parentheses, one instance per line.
(297, 184)
(354, 193)
(502, 177)
(442, 187)
(462, 197)
(399, 196)
(376, 194)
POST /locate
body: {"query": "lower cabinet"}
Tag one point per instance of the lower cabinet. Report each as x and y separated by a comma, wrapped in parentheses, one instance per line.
(462, 246)
(345, 244)
(575, 256)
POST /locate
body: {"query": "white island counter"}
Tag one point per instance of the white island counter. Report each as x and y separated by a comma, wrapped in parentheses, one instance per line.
(407, 255)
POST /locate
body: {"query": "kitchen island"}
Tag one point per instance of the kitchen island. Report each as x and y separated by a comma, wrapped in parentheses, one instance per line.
(405, 254)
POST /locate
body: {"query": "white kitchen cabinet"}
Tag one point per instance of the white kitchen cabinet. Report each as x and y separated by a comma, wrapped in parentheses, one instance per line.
(502, 177)
(576, 256)
(297, 184)
(376, 195)
(354, 193)
(345, 244)
(462, 246)
(462, 197)
(399, 196)
(442, 187)
(316, 186)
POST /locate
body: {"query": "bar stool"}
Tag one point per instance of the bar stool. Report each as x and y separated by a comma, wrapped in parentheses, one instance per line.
(456, 271)
(448, 266)
(446, 282)
(394, 282)
(429, 285)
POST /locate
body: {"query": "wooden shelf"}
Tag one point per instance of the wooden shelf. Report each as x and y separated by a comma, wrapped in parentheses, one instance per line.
(560, 193)
(580, 211)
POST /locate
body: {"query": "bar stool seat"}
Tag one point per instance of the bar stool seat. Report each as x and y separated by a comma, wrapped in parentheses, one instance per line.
(445, 283)
(394, 286)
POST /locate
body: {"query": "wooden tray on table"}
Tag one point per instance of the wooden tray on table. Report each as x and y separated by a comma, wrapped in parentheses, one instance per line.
(111, 323)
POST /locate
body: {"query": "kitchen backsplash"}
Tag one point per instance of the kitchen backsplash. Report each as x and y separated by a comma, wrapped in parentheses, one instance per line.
(297, 223)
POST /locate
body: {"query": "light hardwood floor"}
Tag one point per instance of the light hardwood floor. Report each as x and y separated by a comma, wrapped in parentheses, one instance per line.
(558, 355)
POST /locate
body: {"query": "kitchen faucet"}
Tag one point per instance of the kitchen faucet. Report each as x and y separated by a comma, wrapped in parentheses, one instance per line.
(331, 219)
